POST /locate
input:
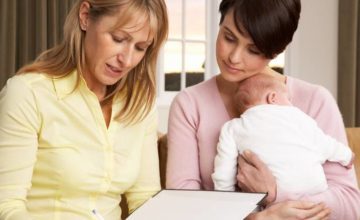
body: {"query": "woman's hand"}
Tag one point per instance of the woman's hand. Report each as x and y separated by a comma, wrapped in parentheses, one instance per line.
(254, 176)
(293, 210)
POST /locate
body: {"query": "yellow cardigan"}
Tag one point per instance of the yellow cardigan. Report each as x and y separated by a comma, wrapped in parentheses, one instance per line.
(59, 160)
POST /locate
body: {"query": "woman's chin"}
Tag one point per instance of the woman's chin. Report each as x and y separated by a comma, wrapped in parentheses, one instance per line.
(233, 78)
(109, 80)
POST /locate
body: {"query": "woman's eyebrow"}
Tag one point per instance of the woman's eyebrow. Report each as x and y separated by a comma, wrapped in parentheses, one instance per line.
(129, 37)
(145, 43)
(228, 30)
(122, 32)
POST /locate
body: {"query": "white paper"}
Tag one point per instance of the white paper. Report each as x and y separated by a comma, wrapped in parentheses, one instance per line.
(199, 205)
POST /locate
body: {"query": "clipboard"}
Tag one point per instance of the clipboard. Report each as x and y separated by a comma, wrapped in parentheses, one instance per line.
(198, 204)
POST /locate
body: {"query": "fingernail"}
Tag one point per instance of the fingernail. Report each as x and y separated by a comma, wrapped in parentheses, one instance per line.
(247, 152)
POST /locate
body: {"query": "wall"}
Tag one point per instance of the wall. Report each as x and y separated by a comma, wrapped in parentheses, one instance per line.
(163, 111)
(312, 56)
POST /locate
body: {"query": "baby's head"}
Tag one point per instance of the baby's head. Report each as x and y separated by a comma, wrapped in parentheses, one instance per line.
(260, 89)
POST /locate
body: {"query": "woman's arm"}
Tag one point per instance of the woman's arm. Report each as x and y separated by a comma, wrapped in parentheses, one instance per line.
(342, 195)
(19, 125)
(293, 210)
(182, 171)
(254, 176)
(148, 181)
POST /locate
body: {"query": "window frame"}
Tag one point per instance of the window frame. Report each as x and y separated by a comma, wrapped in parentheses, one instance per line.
(212, 18)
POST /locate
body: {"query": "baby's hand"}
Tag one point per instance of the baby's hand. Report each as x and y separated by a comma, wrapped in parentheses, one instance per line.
(351, 162)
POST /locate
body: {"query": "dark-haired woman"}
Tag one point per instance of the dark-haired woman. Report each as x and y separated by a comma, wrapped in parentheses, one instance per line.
(252, 32)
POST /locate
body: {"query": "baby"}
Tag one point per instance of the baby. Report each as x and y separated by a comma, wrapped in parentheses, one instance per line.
(286, 139)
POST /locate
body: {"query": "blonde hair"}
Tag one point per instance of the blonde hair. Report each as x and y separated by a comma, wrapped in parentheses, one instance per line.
(252, 90)
(138, 88)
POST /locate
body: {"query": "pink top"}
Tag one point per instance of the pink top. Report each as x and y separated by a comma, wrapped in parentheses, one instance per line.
(197, 115)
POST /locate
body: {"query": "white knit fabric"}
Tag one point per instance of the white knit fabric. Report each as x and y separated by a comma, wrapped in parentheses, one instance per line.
(287, 140)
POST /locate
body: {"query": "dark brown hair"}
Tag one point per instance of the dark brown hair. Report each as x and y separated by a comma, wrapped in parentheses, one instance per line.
(271, 24)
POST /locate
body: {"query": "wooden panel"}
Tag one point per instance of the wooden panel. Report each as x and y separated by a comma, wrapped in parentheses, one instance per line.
(162, 147)
(353, 135)
(124, 207)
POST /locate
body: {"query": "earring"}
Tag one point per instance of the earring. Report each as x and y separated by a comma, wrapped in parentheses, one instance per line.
(83, 27)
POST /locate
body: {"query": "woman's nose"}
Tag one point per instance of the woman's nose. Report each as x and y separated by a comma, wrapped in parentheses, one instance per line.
(236, 55)
(125, 56)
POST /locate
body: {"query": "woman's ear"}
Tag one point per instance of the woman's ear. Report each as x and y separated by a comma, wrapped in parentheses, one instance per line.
(84, 15)
(271, 98)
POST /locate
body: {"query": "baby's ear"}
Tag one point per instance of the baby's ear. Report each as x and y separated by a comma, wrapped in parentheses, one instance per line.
(271, 98)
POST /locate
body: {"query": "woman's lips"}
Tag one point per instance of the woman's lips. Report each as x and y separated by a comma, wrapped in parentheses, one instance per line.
(113, 71)
(231, 69)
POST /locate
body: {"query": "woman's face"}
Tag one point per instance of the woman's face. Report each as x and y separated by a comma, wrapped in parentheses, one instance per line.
(110, 55)
(236, 54)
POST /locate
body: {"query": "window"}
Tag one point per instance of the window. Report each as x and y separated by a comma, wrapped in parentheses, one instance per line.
(188, 56)
(278, 63)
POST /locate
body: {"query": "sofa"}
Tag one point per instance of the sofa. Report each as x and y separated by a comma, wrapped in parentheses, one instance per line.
(353, 135)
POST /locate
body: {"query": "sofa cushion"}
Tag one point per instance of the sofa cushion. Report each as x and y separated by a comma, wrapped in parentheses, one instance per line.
(353, 135)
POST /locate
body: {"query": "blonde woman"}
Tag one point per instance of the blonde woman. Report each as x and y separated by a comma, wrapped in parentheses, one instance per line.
(78, 126)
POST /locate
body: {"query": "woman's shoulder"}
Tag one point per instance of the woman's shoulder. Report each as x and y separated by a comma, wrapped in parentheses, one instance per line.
(201, 91)
(300, 86)
(305, 95)
(28, 80)
(20, 91)
(317, 102)
(197, 99)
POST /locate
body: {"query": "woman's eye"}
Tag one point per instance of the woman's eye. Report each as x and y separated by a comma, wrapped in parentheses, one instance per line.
(254, 51)
(229, 38)
(118, 39)
(140, 49)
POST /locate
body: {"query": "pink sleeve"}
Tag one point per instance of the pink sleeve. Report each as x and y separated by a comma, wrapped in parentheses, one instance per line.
(182, 171)
(342, 195)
